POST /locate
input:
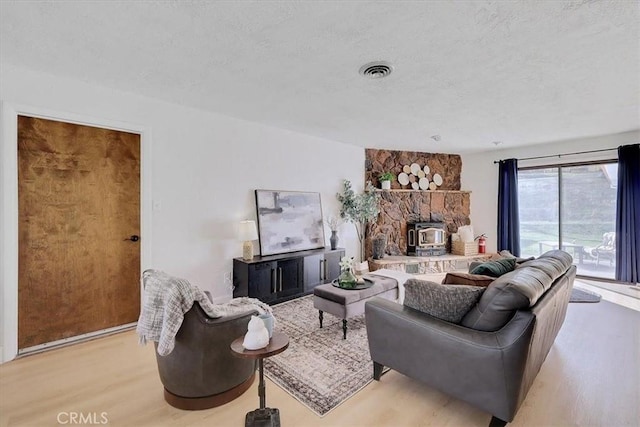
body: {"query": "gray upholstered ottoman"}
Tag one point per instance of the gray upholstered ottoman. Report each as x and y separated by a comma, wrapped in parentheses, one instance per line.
(345, 303)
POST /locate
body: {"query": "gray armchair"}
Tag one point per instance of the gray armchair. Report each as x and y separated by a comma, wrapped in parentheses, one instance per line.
(201, 372)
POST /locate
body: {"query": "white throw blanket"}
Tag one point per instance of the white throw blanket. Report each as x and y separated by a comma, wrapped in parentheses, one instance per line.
(166, 300)
(400, 276)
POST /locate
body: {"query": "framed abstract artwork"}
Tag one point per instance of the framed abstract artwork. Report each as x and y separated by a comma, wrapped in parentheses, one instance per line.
(289, 221)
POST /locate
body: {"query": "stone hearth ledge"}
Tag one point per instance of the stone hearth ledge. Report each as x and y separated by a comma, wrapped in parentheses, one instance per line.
(426, 265)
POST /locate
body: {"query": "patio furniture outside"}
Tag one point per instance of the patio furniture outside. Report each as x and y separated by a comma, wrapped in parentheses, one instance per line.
(578, 250)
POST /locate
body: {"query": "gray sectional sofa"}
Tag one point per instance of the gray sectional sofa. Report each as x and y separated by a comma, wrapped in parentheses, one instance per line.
(492, 356)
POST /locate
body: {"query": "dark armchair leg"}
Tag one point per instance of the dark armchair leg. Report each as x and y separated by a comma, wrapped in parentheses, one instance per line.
(497, 422)
(377, 371)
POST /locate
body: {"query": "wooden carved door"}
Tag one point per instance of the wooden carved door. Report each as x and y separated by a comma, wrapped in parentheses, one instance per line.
(79, 205)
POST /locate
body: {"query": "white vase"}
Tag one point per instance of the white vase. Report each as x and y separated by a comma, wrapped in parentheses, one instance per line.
(385, 185)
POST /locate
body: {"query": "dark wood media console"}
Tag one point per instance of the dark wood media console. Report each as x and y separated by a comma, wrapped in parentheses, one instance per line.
(277, 278)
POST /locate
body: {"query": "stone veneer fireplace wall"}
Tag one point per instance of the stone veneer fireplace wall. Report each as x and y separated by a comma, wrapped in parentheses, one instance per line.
(401, 205)
(448, 166)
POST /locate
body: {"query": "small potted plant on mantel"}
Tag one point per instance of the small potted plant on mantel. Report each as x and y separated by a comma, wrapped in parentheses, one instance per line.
(385, 179)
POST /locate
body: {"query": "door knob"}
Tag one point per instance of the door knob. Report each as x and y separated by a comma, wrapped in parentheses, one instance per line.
(133, 238)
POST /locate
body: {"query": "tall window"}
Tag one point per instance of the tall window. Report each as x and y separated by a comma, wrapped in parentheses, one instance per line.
(572, 207)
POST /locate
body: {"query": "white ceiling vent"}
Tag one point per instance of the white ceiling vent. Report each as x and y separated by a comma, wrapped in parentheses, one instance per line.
(376, 70)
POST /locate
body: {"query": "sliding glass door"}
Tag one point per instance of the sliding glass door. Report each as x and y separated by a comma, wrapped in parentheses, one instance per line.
(571, 207)
(538, 199)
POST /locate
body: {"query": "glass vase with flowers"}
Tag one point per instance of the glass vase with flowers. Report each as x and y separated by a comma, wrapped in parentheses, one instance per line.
(347, 279)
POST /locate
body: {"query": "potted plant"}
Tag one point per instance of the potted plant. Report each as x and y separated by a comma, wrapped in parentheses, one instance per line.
(385, 179)
(359, 209)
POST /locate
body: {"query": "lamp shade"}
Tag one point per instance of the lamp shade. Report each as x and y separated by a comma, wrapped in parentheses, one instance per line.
(247, 230)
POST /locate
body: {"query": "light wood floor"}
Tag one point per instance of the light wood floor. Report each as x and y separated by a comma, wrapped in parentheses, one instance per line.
(605, 290)
(591, 378)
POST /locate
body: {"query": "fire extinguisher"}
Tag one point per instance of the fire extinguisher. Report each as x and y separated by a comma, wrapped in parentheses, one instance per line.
(482, 243)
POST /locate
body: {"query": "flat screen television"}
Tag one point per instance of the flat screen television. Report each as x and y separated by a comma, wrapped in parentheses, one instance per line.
(289, 221)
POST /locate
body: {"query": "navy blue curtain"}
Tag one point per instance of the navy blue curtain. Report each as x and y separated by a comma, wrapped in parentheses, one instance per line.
(628, 214)
(508, 215)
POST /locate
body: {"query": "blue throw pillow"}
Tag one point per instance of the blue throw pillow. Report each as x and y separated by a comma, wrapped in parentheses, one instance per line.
(495, 268)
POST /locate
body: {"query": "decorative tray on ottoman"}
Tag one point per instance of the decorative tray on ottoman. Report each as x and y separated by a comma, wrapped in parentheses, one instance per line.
(363, 285)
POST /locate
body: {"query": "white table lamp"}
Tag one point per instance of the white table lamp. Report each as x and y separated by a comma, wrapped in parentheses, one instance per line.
(247, 232)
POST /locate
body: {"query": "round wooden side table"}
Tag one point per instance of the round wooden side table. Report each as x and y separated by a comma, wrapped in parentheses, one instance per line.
(278, 343)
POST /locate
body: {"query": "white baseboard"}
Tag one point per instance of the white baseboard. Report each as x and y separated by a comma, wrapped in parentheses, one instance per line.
(75, 339)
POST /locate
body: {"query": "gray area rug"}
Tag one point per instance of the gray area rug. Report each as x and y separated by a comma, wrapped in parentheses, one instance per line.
(580, 295)
(319, 369)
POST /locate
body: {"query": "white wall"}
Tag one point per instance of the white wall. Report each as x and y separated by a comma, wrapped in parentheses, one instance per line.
(205, 167)
(480, 174)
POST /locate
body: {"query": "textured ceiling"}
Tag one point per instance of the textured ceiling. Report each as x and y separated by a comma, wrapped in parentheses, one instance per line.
(474, 72)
